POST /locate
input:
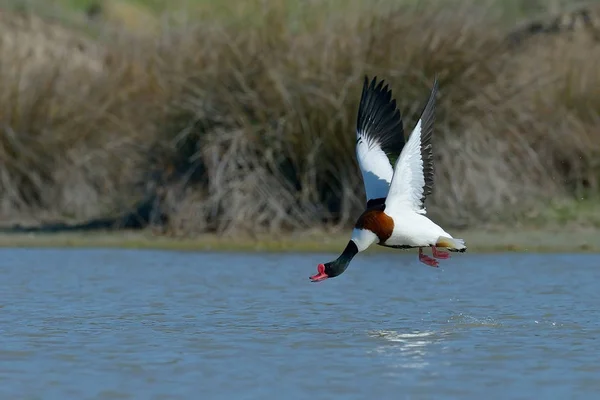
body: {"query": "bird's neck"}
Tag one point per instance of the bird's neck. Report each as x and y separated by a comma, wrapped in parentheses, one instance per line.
(339, 265)
(363, 238)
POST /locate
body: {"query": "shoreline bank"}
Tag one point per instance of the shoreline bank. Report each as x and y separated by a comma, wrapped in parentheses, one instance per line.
(545, 241)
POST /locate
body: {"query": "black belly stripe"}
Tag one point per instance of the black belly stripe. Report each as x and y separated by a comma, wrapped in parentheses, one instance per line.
(401, 246)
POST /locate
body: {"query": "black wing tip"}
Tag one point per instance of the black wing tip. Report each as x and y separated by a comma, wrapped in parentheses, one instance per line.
(427, 122)
(434, 91)
(377, 90)
(378, 116)
(428, 114)
(436, 82)
(376, 85)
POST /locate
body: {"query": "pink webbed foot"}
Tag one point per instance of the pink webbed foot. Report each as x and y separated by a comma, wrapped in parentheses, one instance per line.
(432, 262)
(442, 255)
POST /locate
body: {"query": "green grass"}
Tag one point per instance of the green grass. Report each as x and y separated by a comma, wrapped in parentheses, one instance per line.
(584, 211)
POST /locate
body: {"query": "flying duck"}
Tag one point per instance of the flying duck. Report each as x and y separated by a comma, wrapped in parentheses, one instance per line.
(395, 214)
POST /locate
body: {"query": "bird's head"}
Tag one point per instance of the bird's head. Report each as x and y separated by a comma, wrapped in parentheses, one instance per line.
(330, 269)
(325, 271)
(336, 267)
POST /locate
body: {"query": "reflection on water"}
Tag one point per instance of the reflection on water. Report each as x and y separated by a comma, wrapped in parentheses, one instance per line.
(107, 324)
(468, 320)
(405, 350)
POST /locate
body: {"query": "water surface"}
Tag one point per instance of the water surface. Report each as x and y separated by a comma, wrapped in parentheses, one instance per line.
(126, 324)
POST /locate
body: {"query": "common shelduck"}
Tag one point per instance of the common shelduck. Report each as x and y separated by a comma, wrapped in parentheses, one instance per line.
(395, 210)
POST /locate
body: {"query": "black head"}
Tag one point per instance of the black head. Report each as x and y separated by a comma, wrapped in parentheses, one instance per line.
(338, 266)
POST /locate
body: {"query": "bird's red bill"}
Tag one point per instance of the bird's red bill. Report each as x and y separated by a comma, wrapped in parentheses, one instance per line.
(320, 275)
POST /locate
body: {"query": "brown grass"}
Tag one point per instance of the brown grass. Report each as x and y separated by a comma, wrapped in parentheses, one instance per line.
(233, 125)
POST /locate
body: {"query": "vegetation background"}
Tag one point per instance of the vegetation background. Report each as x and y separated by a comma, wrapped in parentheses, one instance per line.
(237, 117)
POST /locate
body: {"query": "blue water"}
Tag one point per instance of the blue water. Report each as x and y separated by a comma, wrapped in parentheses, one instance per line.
(125, 324)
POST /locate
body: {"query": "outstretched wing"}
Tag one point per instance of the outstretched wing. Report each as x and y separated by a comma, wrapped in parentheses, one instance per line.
(413, 173)
(379, 132)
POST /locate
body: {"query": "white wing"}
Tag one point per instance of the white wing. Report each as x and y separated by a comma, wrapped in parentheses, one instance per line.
(377, 172)
(413, 173)
(379, 132)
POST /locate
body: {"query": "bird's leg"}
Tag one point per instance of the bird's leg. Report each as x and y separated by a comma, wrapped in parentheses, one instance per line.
(432, 262)
(442, 255)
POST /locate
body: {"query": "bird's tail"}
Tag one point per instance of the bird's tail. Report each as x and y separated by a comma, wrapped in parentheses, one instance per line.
(451, 244)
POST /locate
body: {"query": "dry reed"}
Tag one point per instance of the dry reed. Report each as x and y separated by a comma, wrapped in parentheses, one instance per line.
(230, 126)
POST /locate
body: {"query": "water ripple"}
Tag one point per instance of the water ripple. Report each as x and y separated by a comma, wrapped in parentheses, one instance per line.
(147, 324)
